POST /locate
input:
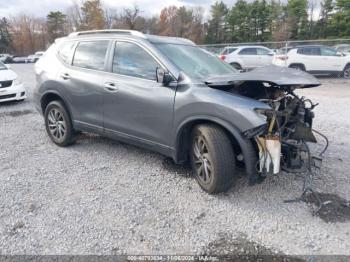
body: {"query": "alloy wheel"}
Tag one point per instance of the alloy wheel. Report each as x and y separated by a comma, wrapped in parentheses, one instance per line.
(202, 162)
(57, 124)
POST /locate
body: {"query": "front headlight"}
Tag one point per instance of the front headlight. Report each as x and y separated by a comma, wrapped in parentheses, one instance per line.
(17, 81)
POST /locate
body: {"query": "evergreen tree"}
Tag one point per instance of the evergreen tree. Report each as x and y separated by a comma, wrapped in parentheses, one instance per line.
(5, 36)
(297, 18)
(92, 15)
(217, 24)
(340, 21)
(56, 25)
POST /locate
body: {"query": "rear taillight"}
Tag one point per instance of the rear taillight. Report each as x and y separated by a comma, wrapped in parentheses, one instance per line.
(282, 57)
(222, 57)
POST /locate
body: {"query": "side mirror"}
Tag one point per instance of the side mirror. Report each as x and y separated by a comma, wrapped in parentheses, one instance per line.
(163, 76)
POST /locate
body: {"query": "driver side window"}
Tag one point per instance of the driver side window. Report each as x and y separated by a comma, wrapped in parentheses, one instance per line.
(131, 60)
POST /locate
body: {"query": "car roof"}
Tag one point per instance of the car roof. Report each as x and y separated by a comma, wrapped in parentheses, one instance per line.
(247, 46)
(302, 46)
(342, 45)
(132, 34)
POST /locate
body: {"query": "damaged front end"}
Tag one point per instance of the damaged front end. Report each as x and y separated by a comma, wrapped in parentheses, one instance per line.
(282, 141)
(282, 145)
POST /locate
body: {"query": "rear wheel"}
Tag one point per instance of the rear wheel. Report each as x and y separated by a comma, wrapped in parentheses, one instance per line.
(236, 66)
(298, 67)
(346, 72)
(212, 159)
(58, 124)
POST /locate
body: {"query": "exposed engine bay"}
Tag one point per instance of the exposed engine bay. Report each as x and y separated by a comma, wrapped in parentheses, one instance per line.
(282, 142)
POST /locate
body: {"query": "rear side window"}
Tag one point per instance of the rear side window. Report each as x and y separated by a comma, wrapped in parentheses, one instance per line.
(228, 51)
(65, 51)
(132, 60)
(262, 51)
(309, 51)
(91, 54)
(248, 51)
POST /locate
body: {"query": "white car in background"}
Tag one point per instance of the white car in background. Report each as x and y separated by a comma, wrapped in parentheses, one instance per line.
(315, 59)
(343, 48)
(20, 59)
(5, 58)
(34, 58)
(11, 87)
(247, 57)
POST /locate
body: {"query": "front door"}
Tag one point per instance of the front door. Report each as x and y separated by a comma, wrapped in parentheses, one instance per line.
(136, 106)
(331, 60)
(249, 57)
(265, 57)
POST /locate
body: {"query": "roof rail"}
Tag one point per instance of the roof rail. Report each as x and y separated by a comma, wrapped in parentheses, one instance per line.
(108, 31)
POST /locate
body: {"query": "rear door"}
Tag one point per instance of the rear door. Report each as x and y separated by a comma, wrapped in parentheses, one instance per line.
(310, 56)
(248, 56)
(265, 56)
(135, 105)
(84, 80)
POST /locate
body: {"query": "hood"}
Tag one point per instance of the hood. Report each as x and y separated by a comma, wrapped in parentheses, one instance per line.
(7, 74)
(280, 76)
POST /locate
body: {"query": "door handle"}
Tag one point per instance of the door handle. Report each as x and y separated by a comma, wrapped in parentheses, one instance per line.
(111, 87)
(65, 76)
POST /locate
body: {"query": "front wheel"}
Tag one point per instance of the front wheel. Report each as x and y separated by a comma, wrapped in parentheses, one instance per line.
(298, 67)
(58, 124)
(212, 159)
(346, 73)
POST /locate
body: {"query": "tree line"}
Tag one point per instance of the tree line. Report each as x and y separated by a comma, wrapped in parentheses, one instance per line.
(245, 21)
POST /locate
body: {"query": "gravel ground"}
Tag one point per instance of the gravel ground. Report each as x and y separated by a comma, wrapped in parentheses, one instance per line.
(105, 197)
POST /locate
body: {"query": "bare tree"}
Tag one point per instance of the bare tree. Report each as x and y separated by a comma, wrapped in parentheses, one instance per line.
(130, 16)
(110, 17)
(29, 34)
(74, 16)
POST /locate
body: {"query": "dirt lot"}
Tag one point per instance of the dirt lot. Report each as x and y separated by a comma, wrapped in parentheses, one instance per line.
(104, 197)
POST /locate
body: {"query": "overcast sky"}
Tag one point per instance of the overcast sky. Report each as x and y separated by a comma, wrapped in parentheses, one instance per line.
(148, 7)
(42, 7)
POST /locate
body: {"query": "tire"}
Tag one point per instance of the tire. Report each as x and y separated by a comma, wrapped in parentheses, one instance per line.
(212, 159)
(236, 66)
(298, 67)
(346, 72)
(58, 124)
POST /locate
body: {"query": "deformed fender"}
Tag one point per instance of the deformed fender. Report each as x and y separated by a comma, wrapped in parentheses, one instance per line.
(246, 145)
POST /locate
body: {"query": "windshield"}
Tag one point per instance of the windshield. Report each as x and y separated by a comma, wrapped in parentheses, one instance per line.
(194, 61)
(2, 66)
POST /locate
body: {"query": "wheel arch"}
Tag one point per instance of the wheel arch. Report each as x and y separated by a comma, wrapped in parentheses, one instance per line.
(236, 63)
(297, 64)
(53, 95)
(346, 66)
(245, 145)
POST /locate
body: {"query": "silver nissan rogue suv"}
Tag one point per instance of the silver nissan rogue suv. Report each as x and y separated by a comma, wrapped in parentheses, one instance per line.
(169, 95)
